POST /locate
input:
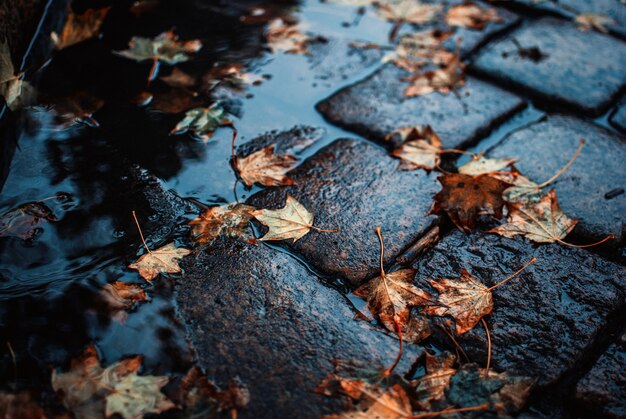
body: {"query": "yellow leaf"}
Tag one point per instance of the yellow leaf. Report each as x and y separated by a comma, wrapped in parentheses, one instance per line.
(162, 260)
(265, 167)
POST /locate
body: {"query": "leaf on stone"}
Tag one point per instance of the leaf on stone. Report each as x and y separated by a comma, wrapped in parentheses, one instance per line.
(334, 385)
(470, 15)
(231, 220)
(265, 167)
(122, 296)
(203, 122)
(541, 222)
(589, 21)
(24, 220)
(286, 36)
(381, 403)
(165, 48)
(420, 148)
(290, 222)
(163, 260)
(201, 398)
(21, 405)
(481, 165)
(444, 80)
(79, 28)
(16, 92)
(408, 11)
(90, 391)
(416, 50)
(522, 189)
(466, 299)
(506, 394)
(465, 197)
(433, 385)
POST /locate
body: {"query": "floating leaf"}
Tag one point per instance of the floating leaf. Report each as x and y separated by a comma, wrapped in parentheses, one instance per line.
(24, 220)
(589, 21)
(162, 260)
(178, 78)
(230, 220)
(481, 165)
(470, 15)
(416, 50)
(542, 222)
(79, 28)
(408, 11)
(78, 107)
(203, 122)
(136, 395)
(122, 296)
(265, 167)
(165, 48)
(464, 197)
(285, 36)
(16, 92)
(420, 148)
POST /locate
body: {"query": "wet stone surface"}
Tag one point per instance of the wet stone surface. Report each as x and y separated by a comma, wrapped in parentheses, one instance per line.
(546, 320)
(377, 106)
(293, 141)
(587, 189)
(603, 389)
(618, 118)
(585, 70)
(256, 313)
(615, 10)
(355, 186)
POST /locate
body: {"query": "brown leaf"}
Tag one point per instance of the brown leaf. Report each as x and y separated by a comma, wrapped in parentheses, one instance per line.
(286, 36)
(230, 220)
(481, 165)
(464, 197)
(24, 220)
(541, 222)
(20, 405)
(79, 28)
(201, 398)
(78, 107)
(443, 80)
(265, 167)
(589, 21)
(163, 260)
(165, 48)
(470, 15)
(178, 100)
(408, 11)
(178, 78)
(466, 299)
(432, 386)
(122, 296)
(389, 403)
(420, 148)
(334, 385)
(416, 50)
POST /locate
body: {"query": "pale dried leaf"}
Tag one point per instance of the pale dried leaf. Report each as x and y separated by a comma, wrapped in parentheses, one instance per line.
(482, 164)
(420, 148)
(203, 122)
(470, 15)
(409, 11)
(290, 222)
(231, 220)
(265, 167)
(287, 37)
(589, 21)
(163, 260)
(165, 48)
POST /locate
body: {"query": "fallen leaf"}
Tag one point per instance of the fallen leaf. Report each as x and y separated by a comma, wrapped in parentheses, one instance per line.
(432, 386)
(175, 100)
(541, 222)
(470, 15)
(389, 403)
(334, 385)
(230, 220)
(464, 197)
(90, 391)
(165, 48)
(163, 260)
(466, 299)
(122, 296)
(178, 78)
(265, 167)
(203, 122)
(16, 92)
(20, 405)
(24, 220)
(408, 11)
(232, 75)
(285, 36)
(522, 190)
(79, 28)
(420, 148)
(76, 108)
(481, 165)
(443, 80)
(589, 21)
(290, 222)
(416, 50)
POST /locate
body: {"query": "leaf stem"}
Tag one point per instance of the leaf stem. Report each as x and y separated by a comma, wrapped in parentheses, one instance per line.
(389, 370)
(504, 281)
(564, 168)
(482, 319)
(140, 232)
(483, 406)
(607, 238)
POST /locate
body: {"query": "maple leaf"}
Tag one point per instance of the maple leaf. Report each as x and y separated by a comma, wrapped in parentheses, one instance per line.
(265, 167)
(231, 75)
(230, 220)
(90, 391)
(203, 122)
(292, 221)
(389, 403)
(163, 260)
(432, 386)
(443, 80)
(470, 15)
(464, 197)
(421, 148)
(407, 11)
(522, 190)
(285, 36)
(24, 220)
(120, 296)
(541, 222)
(78, 107)
(589, 21)
(165, 48)
(16, 92)
(416, 50)
(480, 165)
(79, 28)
